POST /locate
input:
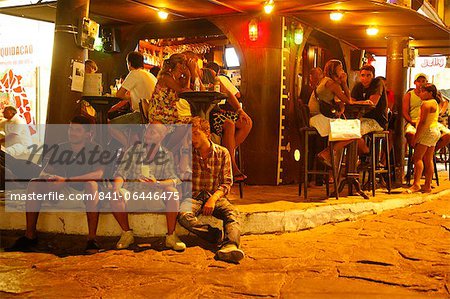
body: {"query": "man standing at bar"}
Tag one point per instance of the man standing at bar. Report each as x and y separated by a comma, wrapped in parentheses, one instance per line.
(211, 182)
(139, 84)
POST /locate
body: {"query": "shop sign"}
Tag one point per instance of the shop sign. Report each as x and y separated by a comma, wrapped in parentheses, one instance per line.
(16, 55)
(431, 62)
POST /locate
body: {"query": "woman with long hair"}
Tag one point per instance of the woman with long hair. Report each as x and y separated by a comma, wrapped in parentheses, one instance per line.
(333, 91)
(426, 137)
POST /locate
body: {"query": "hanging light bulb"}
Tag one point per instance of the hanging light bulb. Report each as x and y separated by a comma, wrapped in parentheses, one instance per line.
(268, 6)
(298, 35)
(162, 14)
(253, 30)
(336, 16)
(372, 31)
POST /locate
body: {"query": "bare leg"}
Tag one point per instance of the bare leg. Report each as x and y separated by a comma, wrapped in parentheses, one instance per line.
(92, 209)
(33, 207)
(337, 146)
(362, 146)
(419, 151)
(242, 131)
(429, 168)
(119, 211)
(228, 141)
(443, 141)
(172, 207)
(409, 137)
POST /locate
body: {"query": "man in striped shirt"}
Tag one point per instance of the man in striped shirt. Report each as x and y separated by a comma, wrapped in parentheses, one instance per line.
(211, 182)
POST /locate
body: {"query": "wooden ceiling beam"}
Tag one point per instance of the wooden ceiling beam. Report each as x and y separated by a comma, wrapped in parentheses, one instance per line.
(140, 3)
(221, 3)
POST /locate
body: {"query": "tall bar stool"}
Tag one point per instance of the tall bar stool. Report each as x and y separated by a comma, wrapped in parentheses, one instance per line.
(377, 140)
(410, 167)
(305, 170)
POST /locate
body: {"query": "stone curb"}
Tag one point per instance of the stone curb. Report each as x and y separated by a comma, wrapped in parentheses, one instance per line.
(152, 224)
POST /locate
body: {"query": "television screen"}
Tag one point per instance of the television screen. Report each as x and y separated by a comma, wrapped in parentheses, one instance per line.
(231, 58)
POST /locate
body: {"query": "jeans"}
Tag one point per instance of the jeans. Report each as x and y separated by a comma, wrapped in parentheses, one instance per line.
(223, 210)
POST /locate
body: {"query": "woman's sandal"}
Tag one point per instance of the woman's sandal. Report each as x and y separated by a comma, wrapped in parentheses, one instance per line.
(240, 177)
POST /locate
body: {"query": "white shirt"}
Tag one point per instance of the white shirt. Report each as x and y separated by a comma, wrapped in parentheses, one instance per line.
(17, 134)
(141, 85)
(228, 85)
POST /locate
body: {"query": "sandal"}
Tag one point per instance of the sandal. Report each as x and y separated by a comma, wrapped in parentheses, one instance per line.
(240, 177)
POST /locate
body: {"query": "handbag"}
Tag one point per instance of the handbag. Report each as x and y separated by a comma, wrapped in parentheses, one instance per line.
(327, 109)
(344, 129)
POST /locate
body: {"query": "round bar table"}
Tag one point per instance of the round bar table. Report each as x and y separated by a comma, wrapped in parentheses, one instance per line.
(202, 102)
(101, 104)
(352, 177)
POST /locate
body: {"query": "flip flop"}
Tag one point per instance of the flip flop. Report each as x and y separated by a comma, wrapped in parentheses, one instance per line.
(239, 177)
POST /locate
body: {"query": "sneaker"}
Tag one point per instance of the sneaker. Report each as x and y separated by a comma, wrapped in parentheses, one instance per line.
(230, 253)
(92, 246)
(23, 244)
(126, 239)
(173, 242)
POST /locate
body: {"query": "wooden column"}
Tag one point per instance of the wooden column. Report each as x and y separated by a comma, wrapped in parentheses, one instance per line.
(62, 106)
(396, 76)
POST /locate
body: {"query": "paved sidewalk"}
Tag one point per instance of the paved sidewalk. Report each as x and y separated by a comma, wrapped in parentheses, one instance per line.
(403, 253)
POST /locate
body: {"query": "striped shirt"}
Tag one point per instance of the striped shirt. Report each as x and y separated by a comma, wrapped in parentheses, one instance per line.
(212, 173)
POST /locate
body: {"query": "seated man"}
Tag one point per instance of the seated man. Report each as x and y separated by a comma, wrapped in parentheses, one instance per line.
(74, 171)
(17, 134)
(139, 84)
(147, 172)
(17, 142)
(373, 89)
(411, 109)
(211, 182)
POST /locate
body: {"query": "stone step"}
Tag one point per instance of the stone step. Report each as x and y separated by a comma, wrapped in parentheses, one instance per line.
(253, 220)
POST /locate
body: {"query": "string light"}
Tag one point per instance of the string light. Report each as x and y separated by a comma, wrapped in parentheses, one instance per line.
(336, 16)
(372, 31)
(268, 6)
(162, 14)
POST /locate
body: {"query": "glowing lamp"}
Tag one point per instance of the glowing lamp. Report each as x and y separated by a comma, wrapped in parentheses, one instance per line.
(298, 35)
(268, 6)
(253, 30)
(336, 16)
(162, 14)
(372, 31)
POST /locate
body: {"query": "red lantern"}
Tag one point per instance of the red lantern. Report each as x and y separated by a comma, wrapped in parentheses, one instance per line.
(253, 30)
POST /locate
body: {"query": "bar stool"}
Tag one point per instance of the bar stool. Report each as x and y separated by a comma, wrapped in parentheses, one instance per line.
(410, 167)
(377, 139)
(305, 171)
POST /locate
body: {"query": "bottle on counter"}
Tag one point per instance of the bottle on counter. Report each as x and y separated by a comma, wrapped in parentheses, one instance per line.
(197, 84)
(217, 84)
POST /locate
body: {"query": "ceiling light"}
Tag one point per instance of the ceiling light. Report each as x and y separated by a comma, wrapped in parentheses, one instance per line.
(268, 6)
(336, 15)
(372, 31)
(162, 14)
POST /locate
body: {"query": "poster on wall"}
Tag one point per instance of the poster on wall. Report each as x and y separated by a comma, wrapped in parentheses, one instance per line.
(25, 61)
(17, 73)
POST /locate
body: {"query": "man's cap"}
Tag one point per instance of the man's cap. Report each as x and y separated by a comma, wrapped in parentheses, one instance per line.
(420, 75)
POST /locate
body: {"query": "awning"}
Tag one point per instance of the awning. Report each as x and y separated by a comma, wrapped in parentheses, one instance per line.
(426, 33)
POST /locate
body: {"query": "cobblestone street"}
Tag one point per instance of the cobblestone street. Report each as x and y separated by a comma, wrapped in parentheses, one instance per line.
(403, 253)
